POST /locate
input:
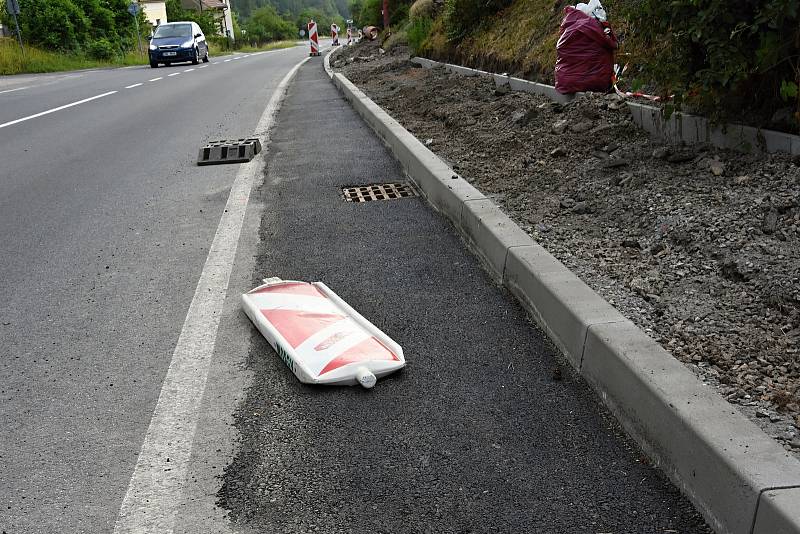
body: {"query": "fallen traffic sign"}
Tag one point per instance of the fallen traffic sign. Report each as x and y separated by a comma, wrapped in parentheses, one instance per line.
(319, 336)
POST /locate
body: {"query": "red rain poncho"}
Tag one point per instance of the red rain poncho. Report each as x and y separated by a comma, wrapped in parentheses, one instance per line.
(585, 54)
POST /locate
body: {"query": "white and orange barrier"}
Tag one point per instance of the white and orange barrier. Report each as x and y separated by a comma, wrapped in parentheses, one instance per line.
(319, 336)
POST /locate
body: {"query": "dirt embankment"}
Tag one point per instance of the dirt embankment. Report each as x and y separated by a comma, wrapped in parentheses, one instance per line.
(698, 246)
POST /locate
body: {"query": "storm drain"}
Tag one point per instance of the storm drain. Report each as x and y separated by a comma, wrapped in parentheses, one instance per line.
(229, 151)
(365, 193)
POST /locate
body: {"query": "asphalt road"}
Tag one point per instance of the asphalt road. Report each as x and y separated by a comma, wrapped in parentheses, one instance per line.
(106, 225)
(486, 430)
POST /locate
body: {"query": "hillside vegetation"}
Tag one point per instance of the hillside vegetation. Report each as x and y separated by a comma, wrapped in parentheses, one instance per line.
(71, 34)
(728, 60)
(87, 29)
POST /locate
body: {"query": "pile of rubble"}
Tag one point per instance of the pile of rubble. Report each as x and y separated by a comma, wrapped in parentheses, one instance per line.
(698, 246)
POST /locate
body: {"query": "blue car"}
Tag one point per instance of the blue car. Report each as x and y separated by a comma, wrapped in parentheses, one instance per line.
(178, 41)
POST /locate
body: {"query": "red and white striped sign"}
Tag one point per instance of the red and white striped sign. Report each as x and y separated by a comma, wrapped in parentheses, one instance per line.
(335, 34)
(314, 38)
(320, 338)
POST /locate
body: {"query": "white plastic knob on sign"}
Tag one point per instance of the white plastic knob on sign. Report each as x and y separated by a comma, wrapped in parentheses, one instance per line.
(319, 336)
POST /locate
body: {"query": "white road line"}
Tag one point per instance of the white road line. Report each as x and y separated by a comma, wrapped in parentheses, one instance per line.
(17, 89)
(204, 66)
(173, 74)
(237, 57)
(214, 62)
(226, 60)
(59, 108)
(132, 86)
(188, 70)
(156, 79)
(156, 487)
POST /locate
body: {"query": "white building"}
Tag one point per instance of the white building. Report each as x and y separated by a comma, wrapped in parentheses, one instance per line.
(221, 10)
(155, 11)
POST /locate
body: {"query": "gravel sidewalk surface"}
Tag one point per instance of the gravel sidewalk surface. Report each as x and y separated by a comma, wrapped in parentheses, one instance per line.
(698, 246)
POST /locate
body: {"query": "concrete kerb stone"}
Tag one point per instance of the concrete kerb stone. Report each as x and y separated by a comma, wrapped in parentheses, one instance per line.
(327, 62)
(678, 128)
(778, 512)
(518, 84)
(458, 69)
(491, 233)
(719, 458)
(721, 461)
(560, 302)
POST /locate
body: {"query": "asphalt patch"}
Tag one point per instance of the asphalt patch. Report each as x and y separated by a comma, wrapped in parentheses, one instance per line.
(486, 430)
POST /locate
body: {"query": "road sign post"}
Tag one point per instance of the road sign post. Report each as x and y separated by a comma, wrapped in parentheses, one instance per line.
(12, 6)
(133, 9)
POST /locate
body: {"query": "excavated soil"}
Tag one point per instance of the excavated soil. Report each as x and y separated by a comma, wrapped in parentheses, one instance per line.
(698, 246)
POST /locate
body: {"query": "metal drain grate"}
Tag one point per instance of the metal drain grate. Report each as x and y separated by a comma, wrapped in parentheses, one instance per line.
(365, 193)
(229, 151)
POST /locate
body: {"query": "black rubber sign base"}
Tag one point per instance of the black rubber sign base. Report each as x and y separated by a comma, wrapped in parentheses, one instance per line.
(229, 151)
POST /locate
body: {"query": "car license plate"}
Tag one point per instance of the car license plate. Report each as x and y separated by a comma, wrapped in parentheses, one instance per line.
(170, 53)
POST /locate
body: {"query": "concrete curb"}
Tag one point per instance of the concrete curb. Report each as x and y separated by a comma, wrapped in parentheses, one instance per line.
(740, 479)
(679, 128)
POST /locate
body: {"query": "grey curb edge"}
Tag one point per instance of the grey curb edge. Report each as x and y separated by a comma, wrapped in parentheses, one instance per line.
(741, 480)
(679, 128)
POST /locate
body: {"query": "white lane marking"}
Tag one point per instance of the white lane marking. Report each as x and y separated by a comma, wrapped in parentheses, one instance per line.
(188, 70)
(156, 79)
(132, 86)
(59, 108)
(237, 57)
(156, 487)
(17, 89)
(173, 74)
(214, 62)
(204, 66)
(226, 60)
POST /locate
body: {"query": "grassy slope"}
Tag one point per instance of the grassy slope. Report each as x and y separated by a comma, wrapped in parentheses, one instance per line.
(13, 61)
(521, 40)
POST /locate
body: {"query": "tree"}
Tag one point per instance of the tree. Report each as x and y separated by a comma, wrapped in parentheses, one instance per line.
(205, 19)
(54, 24)
(266, 25)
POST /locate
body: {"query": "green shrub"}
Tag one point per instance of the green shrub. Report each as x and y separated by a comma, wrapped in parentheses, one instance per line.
(399, 38)
(101, 49)
(720, 56)
(54, 24)
(418, 30)
(370, 14)
(73, 25)
(398, 14)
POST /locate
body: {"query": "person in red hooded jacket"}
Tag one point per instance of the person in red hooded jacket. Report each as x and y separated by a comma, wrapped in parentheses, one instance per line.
(585, 50)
